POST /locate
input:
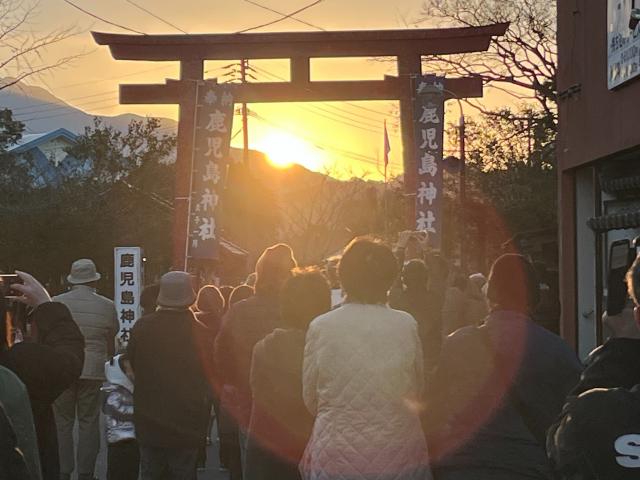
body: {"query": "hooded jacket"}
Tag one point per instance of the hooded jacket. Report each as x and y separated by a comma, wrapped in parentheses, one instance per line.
(118, 403)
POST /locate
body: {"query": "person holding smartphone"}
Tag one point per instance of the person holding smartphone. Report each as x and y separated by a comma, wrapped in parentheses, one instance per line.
(596, 435)
(48, 361)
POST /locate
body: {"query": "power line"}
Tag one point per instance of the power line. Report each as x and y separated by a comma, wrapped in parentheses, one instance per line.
(133, 74)
(322, 146)
(110, 92)
(66, 107)
(79, 112)
(57, 104)
(284, 17)
(338, 116)
(89, 82)
(278, 77)
(268, 74)
(304, 22)
(102, 19)
(140, 7)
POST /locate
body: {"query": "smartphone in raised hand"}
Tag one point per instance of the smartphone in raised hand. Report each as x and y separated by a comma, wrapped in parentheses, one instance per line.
(6, 280)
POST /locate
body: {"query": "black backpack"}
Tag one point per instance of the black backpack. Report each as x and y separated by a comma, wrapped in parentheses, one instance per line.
(597, 436)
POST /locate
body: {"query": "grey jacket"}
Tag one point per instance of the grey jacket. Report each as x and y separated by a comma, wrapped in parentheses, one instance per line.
(97, 319)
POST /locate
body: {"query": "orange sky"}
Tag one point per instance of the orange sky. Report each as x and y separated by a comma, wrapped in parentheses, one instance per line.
(344, 138)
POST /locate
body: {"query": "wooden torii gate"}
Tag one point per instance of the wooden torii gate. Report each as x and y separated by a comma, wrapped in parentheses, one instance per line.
(406, 46)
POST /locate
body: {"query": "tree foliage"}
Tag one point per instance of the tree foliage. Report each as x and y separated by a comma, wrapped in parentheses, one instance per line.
(122, 198)
(511, 175)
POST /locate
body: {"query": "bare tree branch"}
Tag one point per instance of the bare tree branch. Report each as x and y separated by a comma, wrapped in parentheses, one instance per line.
(525, 57)
(22, 49)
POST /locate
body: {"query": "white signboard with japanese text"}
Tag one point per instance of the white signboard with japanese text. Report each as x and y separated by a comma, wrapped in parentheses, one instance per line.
(128, 285)
(623, 43)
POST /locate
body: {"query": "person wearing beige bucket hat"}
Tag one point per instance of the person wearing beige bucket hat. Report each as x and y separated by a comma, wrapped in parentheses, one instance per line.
(97, 319)
(83, 271)
(170, 352)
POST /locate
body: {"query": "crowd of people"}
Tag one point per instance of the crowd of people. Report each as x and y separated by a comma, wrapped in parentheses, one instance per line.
(375, 370)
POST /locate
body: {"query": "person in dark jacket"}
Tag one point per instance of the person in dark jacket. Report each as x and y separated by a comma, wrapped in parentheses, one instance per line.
(227, 426)
(245, 324)
(603, 407)
(280, 423)
(12, 462)
(210, 306)
(149, 298)
(239, 293)
(412, 295)
(168, 351)
(617, 362)
(598, 436)
(48, 362)
(226, 291)
(499, 387)
(15, 401)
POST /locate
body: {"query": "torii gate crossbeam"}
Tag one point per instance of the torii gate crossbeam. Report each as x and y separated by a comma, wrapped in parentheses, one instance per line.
(406, 46)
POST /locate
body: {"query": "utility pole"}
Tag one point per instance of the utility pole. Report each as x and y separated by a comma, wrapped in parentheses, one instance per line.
(245, 120)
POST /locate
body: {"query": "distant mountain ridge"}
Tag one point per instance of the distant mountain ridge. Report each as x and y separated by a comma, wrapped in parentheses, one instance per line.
(41, 111)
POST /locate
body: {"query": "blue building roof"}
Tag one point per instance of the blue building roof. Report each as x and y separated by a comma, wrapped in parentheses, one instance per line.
(33, 140)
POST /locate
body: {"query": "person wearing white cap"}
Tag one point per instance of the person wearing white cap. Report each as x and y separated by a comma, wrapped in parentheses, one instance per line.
(97, 319)
(171, 355)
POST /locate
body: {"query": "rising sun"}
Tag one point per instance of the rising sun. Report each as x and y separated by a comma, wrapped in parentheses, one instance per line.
(284, 150)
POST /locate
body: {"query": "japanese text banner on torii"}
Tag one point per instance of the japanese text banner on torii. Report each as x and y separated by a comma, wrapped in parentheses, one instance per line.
(428, 111)
(214, 119)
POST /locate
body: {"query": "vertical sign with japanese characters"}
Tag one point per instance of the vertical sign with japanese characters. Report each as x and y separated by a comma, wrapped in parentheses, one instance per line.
(128, 285)
(214, 118)
(428, 112)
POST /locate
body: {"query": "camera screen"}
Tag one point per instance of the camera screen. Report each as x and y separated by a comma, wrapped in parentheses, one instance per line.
(5, 285)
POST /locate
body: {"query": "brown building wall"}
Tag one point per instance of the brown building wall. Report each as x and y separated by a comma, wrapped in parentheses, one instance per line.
(594, 122)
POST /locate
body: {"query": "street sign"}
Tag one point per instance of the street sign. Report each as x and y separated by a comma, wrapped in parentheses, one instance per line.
(623, 43)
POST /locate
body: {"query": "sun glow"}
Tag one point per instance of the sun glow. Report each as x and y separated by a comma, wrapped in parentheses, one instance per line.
(284, 150)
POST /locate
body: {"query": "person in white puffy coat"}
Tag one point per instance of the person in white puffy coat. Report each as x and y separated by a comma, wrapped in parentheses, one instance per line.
(363, 379)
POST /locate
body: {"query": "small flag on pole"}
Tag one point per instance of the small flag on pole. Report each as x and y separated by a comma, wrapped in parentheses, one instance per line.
(387, 149)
